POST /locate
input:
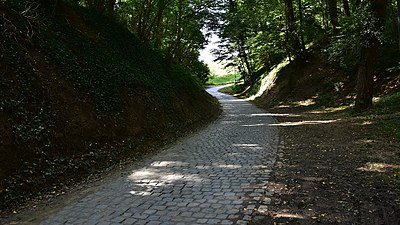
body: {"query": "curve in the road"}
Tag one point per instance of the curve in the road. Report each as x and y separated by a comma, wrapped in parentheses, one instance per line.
(217, 176)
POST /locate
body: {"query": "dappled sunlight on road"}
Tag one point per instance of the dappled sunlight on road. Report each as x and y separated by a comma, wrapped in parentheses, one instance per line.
(256, 125)
(229, 166)
(275, 115)
(307, 122)
(245, 145)
(152, 181)
(378, 167)
(234, 100)
(216, 176)
(168, 163)
(288, 215)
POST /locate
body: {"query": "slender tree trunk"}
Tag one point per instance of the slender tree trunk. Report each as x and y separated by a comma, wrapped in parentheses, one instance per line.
(365, 77)
(158, 32)
(301, 25)
(346, 7)
(110, 7)
(332, 7)
(398, 21)
(291, 24)
(248, 66)
(146, 21)
(179, 32)
(140, 16)
(324, 16)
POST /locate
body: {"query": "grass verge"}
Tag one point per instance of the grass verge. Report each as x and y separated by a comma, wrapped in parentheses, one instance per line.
(226, 79)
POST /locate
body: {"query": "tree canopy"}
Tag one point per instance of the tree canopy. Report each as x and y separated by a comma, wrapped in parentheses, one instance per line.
(258, 34)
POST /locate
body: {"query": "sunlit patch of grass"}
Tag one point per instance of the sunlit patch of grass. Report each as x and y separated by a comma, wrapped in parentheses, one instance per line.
(225, 79)
(233, 89)
(267, 81)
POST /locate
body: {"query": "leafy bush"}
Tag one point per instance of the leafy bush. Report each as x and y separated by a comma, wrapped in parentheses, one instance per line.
(390, 103)
(344, 50)
(358, 30)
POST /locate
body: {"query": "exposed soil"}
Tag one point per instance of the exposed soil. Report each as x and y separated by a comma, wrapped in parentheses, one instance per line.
(335, 169)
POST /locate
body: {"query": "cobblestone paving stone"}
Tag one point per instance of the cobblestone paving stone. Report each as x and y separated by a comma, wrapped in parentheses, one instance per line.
(214, 177)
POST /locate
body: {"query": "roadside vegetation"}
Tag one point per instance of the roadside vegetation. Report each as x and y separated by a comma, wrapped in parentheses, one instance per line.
(81, 94)
(331, 77)
(387, 113)
(223, 79)
(88, 83)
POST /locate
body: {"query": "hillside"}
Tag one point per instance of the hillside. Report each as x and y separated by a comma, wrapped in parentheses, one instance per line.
(337, 166)
(78, 94)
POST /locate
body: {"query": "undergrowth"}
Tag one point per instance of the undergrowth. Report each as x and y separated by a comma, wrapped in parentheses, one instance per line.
(54, 46)
(389, 105)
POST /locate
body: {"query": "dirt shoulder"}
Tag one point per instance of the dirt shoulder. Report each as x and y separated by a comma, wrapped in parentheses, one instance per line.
(335, 169)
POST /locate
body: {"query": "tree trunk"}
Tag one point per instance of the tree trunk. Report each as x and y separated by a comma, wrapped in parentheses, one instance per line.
(110, 7)
(147, 21)
(398, 21)
(158, 30)
(365, 77)
(324, 16)
(332, 7)
(139, 20)
(346, 7)
(301, 25)
(291, 25)
(248, 66)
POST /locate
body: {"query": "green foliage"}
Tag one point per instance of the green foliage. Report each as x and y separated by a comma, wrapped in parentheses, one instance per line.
(386, 113)
(389, 104)
(102, 63)
(97, 60)
(324, 99)
(344, 50)
(226, 79)
(118, 63)
(233, 89)
(357, 31)
(172, 26)
(327, 96)
(200, 70)
(19, 5)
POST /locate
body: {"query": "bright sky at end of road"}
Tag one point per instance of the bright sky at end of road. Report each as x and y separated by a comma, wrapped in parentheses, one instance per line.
(216, 68)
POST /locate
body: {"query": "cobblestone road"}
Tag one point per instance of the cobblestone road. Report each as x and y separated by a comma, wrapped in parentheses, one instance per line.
(214, 177)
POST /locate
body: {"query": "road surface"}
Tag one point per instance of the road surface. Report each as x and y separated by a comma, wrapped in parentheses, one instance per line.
(216, 176)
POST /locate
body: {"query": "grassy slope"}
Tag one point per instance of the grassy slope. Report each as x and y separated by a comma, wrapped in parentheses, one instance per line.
(79, 92)
(317, 83)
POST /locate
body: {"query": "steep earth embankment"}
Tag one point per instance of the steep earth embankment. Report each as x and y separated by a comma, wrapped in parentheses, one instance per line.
(78, 93)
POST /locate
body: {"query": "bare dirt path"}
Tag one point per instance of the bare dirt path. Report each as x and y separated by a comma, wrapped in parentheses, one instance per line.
(217, 176)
